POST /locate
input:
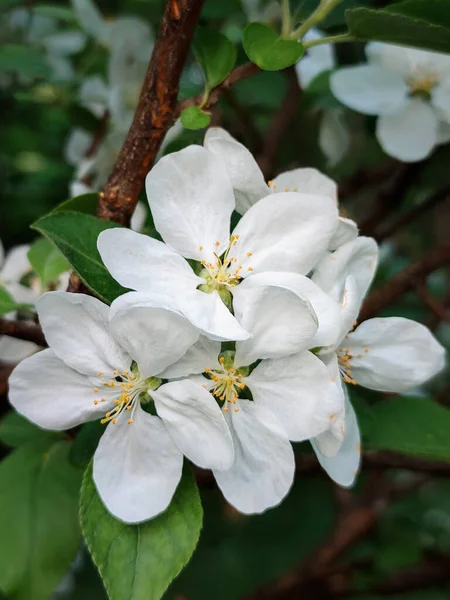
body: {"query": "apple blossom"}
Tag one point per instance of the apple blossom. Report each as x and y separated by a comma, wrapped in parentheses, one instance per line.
(101, 364)
(408, 89)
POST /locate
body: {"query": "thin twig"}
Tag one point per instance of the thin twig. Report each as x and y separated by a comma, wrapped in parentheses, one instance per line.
(155, 113)
(23, 330)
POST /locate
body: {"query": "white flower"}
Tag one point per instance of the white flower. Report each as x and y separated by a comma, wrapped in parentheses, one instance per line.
(409, 91)
(293, 396)
(317, 60)
(249, 185)
(385, 354)
(96, 367)
(192, 200)
(13, 268)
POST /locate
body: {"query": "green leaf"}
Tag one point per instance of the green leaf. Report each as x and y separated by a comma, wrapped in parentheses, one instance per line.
(38, 519)
(17, 431)
(8, 304)
(55, 12)
(215, 54)
(414, 426)
(435, 11)
(193, 117)
(270, 52)
(153, 552)
(84, 445)
(23, 60)
(75, 234)
(47, 261)
(405, 28)
(86, 203)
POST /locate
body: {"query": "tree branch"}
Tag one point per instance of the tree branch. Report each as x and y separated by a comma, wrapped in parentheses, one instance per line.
(156, 111)
(23, 330)
(406, 280)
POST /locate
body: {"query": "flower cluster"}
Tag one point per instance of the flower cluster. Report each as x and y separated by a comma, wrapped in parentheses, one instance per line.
(233, 341)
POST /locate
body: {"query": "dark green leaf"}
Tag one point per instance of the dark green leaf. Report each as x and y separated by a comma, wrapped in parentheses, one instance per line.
(47, 261)
(434, 11)
(38, 519)
(75, 234)
(55, 12)
(270, 52)
(86, 203)
(194, 118)
(23, 60)
(7, 303)
(153, 552)
(85, 443)
(415, 426)
(398, 28)
(16, 431)
(215, 54)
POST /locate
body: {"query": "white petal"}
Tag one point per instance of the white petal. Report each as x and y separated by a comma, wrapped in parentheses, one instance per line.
(77, 145)
(408, 62)
(443, 134)
(64, 43)
(347, 231)
(94, 95)
(401, 354)
(280, 321)
(199, 357)
(16, 264)
(77, 330)
(284, 232)
(246, 177)
(154, 337)
(299, 390)
(139, 217)
(306, 181)
(358, 258)
(13, 351)
(264, 466)
(89, 18)
(350, 307)
(318, 59)
(144, 264)
(47, 392)
(196, 423)
(334, 136)
(440, 98)
(191, 200)
(326, 310)
(369, 89)
(410, 134)
(137, 468)
(344, 466)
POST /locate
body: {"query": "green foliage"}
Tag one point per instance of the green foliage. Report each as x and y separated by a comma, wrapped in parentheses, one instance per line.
(62, 13)
(7, 302)
(47, 261)
(215, 54)
(23, 61)
(414, 426)
(84, 445)
(76, 234)
(38, 519)
(269, 51)
(15, 431)
(413, 23)
(194, 118)
(138, 562)
(86, 203)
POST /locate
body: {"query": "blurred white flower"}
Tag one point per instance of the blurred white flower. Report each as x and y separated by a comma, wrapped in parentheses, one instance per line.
(409, 91)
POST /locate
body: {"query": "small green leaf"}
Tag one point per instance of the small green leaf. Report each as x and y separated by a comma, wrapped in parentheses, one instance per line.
(38, 519)
(153, 553)
(23, 60)
(410, 425)
(8, 304)
(47, 261)
(270, 52)
(85, 444)
(76, 234)
(55, 12)
(215, 54)
(434, 11)
(86, 203)
(17, 431)
(193, 117)
(401, 25)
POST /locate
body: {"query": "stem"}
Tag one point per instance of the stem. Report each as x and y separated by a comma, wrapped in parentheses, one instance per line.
(322, 11)
(286, 19)
(332, 39)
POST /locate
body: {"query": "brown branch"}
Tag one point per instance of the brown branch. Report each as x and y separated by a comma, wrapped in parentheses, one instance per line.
(155, 113)
(280, 124)
(23, 330)
(437, 309)
(404, 281)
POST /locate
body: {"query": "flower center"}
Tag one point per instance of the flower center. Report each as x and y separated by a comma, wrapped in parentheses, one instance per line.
(131, 389)
(228, 381)
(344, 360)
(224, 272)
(422, 86)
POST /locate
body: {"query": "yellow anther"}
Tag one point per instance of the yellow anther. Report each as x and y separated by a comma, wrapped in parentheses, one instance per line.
(125, 373)
(366, 350)
(286, 189)
(249, 254)
(241, 385)
(95, 389)
(108, 415)
(236, 409)
(95, 402)
(250, 269)
(99, 374)
(200, 248)
(221, 360)
(116, 372)
(128, 407)
(207, 370)
(217, 244)
(130, 421)
(112, 383)
(225, 409)
(114, 421)
(102, 400)
(132, 378)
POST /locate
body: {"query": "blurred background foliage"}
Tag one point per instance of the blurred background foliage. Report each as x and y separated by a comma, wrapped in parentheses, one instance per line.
(405, 206)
